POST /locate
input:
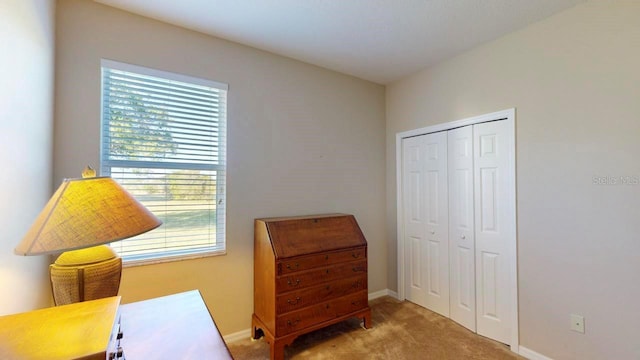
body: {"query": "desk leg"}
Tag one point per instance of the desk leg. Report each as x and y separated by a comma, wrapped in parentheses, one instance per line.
(366, 319)
(277, 350)
(257, 328)
(278, 345)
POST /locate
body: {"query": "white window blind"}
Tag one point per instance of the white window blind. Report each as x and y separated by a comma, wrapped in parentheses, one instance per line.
(164, 140)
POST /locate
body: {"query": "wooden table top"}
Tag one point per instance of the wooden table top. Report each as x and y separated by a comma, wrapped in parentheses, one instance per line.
(79, 330)
(171, 327)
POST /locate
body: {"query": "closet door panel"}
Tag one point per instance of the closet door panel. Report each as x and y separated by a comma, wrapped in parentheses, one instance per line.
(493, 220)
(437, 224)
(413, 155)
(425, 204)
(462, 301)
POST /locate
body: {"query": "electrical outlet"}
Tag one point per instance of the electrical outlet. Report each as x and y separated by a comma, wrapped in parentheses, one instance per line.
(577, 323)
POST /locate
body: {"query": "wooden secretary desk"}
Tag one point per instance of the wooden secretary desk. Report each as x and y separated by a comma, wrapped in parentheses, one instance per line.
(309, 272)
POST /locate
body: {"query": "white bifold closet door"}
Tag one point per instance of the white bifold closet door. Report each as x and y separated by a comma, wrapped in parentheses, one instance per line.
(457, 225)
(494, 224)
(461, 230)
(426, 221)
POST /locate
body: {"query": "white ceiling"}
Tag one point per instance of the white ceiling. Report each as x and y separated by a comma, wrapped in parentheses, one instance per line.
(377, 40)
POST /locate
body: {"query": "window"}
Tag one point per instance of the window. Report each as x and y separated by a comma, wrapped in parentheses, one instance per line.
(164, 140)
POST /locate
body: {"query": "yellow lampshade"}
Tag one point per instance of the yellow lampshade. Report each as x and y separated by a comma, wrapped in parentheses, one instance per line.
(83, 213)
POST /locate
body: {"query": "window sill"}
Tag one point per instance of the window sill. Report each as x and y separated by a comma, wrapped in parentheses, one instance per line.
(159, 260)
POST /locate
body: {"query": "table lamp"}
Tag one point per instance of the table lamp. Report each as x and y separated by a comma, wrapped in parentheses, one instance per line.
(82, 216)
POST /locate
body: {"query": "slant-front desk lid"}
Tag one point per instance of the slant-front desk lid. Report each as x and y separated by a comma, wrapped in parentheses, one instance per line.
(296, 236)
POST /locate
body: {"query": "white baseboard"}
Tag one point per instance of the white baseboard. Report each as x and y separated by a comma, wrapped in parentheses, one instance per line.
(246, 334)
(381, 293)
(532, 355)
(240, 335)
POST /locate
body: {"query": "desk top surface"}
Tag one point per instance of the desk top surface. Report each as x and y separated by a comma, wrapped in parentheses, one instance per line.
(176, 326)
(79, 330)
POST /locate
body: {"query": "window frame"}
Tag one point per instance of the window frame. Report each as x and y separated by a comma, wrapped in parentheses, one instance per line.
(107, 164)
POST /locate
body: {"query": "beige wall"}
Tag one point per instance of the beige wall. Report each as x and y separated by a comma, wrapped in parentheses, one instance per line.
(26, 116)
(301, 140)
(575, 82)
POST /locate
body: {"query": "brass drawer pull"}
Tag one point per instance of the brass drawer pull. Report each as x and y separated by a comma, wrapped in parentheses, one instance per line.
(293, 302)
(356, 303)
(296, 283)
(355, 255)
(294, 267)
(294, 323)
(328, 287)
(357, 284)
(358, 268)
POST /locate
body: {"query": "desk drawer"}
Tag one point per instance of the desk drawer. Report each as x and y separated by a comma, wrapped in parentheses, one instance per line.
(316, 294)
(305, 279)
(300, 319)
(320, 260)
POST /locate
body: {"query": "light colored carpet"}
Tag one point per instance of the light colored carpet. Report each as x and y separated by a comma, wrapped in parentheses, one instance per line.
(401, 330)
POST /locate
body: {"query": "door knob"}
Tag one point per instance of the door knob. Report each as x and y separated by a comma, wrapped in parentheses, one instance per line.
(463, 237)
